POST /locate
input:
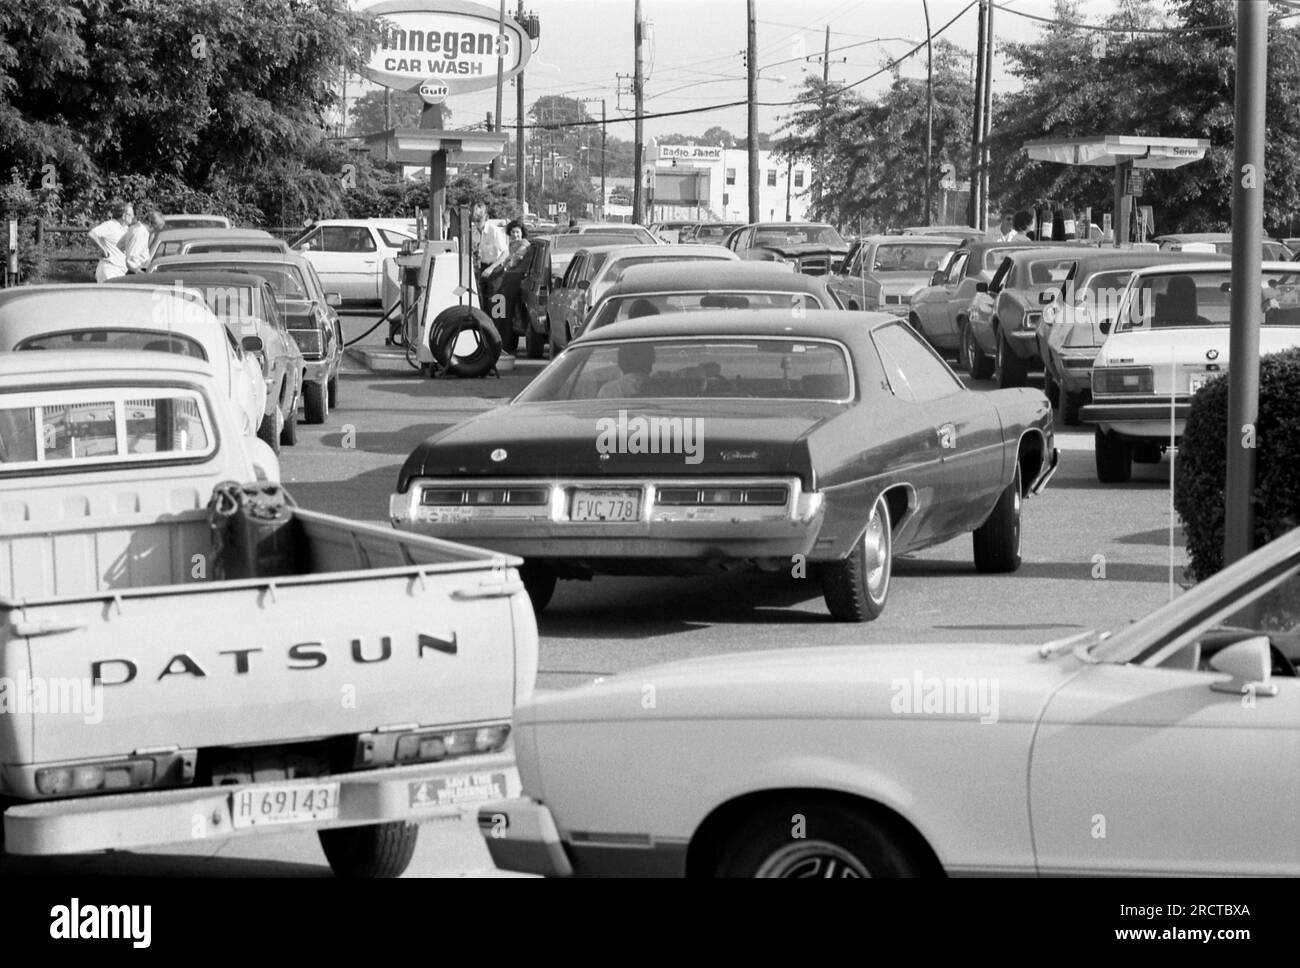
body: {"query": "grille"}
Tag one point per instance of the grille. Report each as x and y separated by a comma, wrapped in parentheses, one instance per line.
(816, 266)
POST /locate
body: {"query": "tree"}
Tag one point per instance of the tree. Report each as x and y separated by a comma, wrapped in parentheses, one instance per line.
(217, 98)
(403, 111)
(867, 155)
(718, 135)
(1171, 84)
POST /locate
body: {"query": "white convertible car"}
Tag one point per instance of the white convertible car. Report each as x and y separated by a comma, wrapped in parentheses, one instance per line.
(1168, 338)
(1168, 747)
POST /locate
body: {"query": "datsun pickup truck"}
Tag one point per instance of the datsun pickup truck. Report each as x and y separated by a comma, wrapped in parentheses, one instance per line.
(364, 687)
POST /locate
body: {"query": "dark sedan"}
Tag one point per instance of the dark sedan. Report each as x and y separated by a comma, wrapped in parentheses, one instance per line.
(823, 445)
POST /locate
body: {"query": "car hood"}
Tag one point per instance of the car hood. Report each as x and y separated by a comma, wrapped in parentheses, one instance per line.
(1190, 345)
(553, 439)
(990, 683)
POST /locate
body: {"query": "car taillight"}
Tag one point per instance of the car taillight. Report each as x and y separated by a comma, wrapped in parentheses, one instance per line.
(1122, 379)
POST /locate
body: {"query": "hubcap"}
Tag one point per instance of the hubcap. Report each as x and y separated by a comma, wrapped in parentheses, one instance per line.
(876, 546)
(813, 858)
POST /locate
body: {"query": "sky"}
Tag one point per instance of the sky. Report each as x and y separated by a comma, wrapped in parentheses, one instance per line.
(693, 53)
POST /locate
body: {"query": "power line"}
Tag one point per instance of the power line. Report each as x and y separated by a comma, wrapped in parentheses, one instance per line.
(781, 104)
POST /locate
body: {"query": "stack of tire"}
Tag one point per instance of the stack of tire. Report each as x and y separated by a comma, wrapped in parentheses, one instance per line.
(451, 352)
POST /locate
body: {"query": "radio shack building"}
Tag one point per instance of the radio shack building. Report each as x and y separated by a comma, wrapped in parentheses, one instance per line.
(711, 182)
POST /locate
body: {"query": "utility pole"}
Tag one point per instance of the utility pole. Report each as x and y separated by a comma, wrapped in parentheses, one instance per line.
(977, 126)
(494, 169)
(1247, 239)
(638, 152)
(789, 169)
(388, 122)
(519, 129)
(603, 196)
(987, 117)
(929, 109)
(752, 58)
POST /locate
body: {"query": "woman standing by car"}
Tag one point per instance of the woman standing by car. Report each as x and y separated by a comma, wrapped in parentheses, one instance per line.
(506, 274)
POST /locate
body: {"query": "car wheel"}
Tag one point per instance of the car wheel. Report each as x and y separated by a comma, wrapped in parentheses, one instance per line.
(1009, 370)
(375, 850)
(315, 404)
(833, 840)
(333, 388)
(1052, 389)
(1071, 404)
(1114, 457)
(289, 435)
(534, 343)
(855, 587)
(268, 432)
(997, 540)
(980, 366)
(539, 581)
(963, 355)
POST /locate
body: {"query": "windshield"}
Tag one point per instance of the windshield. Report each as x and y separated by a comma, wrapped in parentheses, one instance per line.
(1182, 299)
(618, 308)
(713, 232)
(1267, 604)
(798, 235)
(911, 256)
(676, 368)
(285, 279)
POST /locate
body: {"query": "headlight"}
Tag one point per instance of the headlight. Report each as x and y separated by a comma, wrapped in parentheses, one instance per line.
(1122, 379)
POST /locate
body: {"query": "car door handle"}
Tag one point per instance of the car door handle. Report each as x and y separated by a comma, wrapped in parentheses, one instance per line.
(486, 590)
(367, 262)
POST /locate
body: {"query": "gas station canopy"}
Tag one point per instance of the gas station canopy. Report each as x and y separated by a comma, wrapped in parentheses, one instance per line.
(1116, 149)
(413, 146)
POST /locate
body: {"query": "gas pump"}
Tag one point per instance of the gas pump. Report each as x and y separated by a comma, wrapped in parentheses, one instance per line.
(443, 330)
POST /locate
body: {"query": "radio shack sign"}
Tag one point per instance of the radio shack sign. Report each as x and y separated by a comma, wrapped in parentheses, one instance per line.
(427, 43)
(690, 152)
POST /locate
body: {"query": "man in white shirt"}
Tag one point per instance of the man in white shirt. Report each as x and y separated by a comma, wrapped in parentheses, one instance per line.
(136, 242)
(108, 238)
(1006, 229)
(490, 244)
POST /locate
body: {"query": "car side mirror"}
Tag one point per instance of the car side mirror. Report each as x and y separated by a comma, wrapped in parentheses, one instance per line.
(1250, 664)
(1047, 296)
(981, 287)
(1104, 326)
(333, 299)
(252, 344)
(584, 284)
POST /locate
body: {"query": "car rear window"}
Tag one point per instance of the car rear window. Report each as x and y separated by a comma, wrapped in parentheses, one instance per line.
(88, 428)
(618, 308)
(673, 368)
(912, 256)
(108, 338)
(1188, 299)
(285, 279)
(1048, 271)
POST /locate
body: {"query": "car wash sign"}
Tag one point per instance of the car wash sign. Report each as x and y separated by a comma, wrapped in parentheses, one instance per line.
(443, 42)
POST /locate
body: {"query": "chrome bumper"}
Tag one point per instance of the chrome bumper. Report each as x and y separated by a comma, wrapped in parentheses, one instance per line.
(152, 817)
(661, 530)
(521, 836)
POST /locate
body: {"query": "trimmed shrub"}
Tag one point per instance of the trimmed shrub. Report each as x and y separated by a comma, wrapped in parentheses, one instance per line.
(1201, 471)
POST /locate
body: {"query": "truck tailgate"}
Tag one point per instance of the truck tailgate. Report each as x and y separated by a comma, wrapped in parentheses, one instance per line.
(268, 660)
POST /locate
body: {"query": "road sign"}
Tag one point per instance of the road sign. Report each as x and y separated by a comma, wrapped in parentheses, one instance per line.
(948, 177)
(561, 207)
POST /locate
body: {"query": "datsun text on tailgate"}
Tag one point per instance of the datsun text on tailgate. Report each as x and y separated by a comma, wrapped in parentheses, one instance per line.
(764, 439)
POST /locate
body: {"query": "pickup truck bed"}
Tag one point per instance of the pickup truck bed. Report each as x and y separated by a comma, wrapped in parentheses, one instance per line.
(381, 634)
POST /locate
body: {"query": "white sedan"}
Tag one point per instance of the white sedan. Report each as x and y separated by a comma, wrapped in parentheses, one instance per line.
(349, 254)
(169, 319)
(1168, 747)
(1169, 337)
